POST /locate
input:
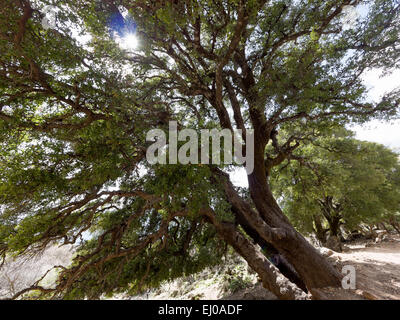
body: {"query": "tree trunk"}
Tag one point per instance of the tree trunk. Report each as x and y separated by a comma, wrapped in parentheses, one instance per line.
(270, 251)
(334, 225)
(270, 276)
(320, 232)
(274, 227)
(394, 224)
(313, 268)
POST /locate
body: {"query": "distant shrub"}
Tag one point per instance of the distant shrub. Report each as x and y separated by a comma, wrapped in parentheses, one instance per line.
(238, 283)
(237, 279)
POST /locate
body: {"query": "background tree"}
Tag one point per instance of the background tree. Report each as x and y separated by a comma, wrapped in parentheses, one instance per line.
(74, 112)
(338, 181)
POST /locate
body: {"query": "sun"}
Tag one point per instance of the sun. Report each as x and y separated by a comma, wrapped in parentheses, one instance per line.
(129, 42)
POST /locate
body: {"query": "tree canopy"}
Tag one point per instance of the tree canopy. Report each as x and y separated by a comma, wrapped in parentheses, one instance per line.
(338, 181)
(75, 107)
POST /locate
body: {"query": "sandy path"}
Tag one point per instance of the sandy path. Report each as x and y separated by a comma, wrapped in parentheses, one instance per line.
(377, 268)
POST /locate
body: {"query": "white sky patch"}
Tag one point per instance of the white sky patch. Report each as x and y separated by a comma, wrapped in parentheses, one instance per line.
(239, 178)
(387, 133)
(129, 42)
(83, 39)
(350, 16)
(378, 84)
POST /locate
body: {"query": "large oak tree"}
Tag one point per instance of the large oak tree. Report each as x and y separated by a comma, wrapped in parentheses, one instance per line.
(75, 110)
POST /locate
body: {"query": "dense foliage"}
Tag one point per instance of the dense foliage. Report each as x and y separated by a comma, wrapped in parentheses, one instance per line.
(75, 107)
(338, 181)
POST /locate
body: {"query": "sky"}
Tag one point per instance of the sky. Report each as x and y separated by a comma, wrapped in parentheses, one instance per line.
(387, 133)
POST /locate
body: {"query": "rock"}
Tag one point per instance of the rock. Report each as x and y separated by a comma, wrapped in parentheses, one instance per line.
(198, 296)
(355, 235)
(175, 293)
(333, 261)
(345, 249)
(382, 236)
(326, 252)
(367, 295)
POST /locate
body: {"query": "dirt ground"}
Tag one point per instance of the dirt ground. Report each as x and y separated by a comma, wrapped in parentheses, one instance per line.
(377, 267)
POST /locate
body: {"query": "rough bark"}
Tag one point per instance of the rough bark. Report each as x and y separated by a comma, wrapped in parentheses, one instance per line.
(270, 251)
(334, 225)
(313, 268)
(319, 231)
(270, 276)
(273, 226)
